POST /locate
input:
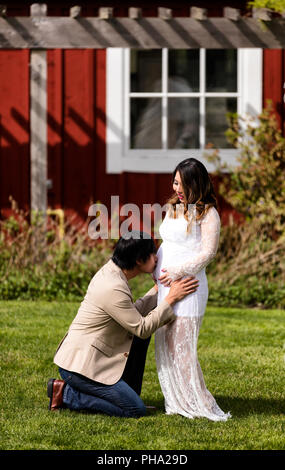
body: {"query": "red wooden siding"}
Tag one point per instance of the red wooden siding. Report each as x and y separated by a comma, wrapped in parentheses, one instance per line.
(77, 132)
(76, 123)
(55, 127)
(77, 140)
(83, 149)
(274, 81)
(14, 129)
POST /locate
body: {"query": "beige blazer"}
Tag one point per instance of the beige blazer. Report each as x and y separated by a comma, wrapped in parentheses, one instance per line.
(99, 339)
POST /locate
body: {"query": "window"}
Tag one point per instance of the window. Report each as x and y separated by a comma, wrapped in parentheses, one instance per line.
(164, 105)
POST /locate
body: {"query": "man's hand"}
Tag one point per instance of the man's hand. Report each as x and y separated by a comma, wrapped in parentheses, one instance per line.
(180, 288)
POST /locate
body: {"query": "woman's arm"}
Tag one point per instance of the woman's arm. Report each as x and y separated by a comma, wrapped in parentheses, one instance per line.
(210, 234)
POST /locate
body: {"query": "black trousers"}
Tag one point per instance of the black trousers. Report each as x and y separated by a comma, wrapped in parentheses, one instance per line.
(134, 369)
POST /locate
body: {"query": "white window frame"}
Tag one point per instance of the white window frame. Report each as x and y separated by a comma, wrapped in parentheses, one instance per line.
(120, 158)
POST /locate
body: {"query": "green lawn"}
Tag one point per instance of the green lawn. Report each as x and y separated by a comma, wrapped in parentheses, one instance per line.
(241, 353)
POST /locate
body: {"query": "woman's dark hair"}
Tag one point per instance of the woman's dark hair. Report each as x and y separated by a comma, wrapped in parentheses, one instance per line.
(197, 187)
(137, 246)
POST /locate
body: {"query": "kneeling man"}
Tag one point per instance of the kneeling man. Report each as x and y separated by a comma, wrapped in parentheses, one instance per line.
(101, 358)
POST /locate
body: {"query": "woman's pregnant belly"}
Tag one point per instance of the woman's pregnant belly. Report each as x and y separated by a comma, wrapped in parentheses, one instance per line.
(171, 254)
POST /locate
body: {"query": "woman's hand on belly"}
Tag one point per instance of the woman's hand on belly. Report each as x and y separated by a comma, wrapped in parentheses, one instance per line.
(165, 279)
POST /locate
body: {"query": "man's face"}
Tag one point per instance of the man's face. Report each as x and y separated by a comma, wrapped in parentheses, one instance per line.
(148, 266)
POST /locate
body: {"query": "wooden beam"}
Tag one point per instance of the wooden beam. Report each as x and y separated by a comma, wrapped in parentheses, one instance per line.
(144, 33)
(263, 14)
(38, 123)
(198, 13)
(3, 10)
(164, 13)
(105, 13)
(38, 9)
(75, 11)
(231, 13)
(135, 13)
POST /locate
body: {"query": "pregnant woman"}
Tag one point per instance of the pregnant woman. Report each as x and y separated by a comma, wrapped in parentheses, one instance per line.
(190, 234)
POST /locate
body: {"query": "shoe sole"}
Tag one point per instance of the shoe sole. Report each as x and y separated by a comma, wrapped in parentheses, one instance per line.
(50, 391)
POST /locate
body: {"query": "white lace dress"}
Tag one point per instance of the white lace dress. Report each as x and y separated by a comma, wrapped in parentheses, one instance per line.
(179, 371)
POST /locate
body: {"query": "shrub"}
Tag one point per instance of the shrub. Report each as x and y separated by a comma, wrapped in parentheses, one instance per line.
(249, 267)
(35, 262)
(256, 187)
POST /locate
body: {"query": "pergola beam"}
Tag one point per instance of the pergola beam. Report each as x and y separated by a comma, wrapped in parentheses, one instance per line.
(198, 31)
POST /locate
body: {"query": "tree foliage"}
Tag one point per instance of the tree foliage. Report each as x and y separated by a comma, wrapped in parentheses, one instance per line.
(277, 6)
(256, 187)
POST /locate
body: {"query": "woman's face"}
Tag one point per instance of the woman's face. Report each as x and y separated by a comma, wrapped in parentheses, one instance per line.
(177, 186)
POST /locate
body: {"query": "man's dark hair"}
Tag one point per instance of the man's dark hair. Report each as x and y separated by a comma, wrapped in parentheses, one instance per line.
(137, 246)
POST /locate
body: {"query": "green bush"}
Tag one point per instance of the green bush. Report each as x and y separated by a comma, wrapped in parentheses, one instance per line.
(249, 268)
(246, 292)
(36, 263)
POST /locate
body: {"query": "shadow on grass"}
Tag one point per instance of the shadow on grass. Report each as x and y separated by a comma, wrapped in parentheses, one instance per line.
(240, 407)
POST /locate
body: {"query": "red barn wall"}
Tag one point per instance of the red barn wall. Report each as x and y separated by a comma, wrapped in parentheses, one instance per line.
(14, 129)
(77, 126)
(77, 161)
(77, 139)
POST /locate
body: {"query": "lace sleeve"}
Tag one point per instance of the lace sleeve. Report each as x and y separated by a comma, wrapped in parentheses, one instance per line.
(210, 233)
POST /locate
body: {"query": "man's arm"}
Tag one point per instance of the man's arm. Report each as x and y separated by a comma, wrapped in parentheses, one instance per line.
(120, 307)
(148, 302)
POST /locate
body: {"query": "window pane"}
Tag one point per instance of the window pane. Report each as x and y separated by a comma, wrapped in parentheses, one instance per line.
(145, 70)
(221, 70)
(146, 123)
(183, 123)
(216, 120)
(183, 70)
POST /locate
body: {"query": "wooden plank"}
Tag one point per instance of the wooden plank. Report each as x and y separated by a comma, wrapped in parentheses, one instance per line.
(78, 135)
(55, 108)
(145, 33)
(263, 14)
(231, 13)
(135, 13)
(14, 130)
(38, 9)
(104, 185)
(198, 13)
(105, 13)
(273, 82)
(3, 10)
(75, 11)
(38, 122)
(164, 13)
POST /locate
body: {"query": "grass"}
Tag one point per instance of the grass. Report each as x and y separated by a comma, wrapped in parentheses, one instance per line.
(241, 353)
